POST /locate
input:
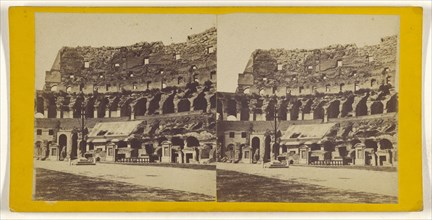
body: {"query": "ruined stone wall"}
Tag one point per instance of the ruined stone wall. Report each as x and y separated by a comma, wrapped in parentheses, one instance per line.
(139, 67)
(333, 69)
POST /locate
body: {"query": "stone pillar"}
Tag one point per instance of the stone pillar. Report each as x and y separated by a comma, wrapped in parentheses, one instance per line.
(132, 115)
(45, 113)
(59, 113)
(95, 113)
(300, 115)
(118, 113)
(288, 115)
(325, 119)
(87, 146)
(107, 112)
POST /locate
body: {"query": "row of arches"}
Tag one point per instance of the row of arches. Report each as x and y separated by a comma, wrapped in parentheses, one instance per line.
(334, 109)
(91, 107)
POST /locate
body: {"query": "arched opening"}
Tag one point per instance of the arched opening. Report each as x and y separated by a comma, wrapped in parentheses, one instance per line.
(244, 112)
(177, 141)
(168, 106)
(347, 106)
(40, 105)
(369, 143)
(102, 108)
(267, 148)
(361, 108)
(246, 90)
(154, 104)
(319, 111)
(52, 108)
(392, 104)
(74, 149)
(333, 109)
(307, 107)
(385, 144)
(62, 142)
(54, 88)
(77, 107)
(282, 113)
(255, 149)
(126, 110)
(200, 103)
(192, 142)
(270, 110)
(213, 102)
(140, 107)
(183, 105)
(377, 108)
(295, 110)
(232, 108)
(229, 152)
(89, 109)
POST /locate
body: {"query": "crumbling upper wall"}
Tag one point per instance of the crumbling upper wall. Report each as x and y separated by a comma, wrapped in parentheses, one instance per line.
(144, 65)
(324, 68)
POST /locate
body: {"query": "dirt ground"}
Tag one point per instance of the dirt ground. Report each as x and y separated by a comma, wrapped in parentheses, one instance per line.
(58, 186)
(241, 187)
(368, 181)
(188, 180)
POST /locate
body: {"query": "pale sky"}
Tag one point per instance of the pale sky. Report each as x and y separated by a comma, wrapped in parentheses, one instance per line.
(55, 30)
(240, 34)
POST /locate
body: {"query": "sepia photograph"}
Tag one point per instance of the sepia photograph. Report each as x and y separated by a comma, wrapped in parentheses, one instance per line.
(307, 108)
(125, 107)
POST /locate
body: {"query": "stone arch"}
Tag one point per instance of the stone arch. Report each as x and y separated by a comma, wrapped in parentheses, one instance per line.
(229, 151)
(40, 105)
(347, 106)
(200, 103)
(192, 141)
(168, 105)
(114, 104)
(370, 143)
(62, 140)
(183, 105)
(361, 108)
(385, 144)
(282, 112)
(295, 110)
(333, 109)
(318, 112)
(392, 104)
(52, 107)
(101, 109)
(377, 108)
(308, 106)
(126, 110)
(232, 108)
(154, 104)
(271, 110)
(177, 141)
(244, 112)
(54, 88)
(140, 107)
(89, 108)
(77, 107)
(255, 149)
(246, 90)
